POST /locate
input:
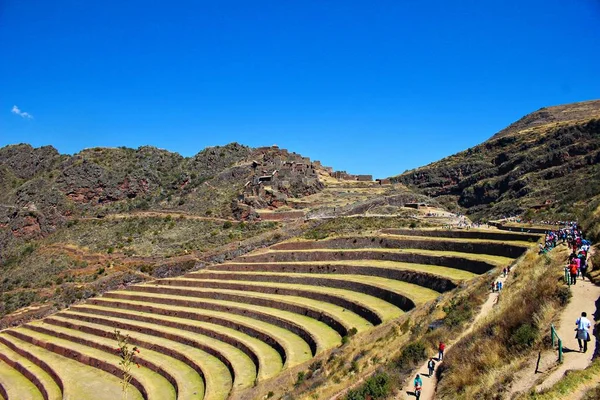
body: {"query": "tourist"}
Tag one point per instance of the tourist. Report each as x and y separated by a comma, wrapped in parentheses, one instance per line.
(582, 263)
(418, 382)
(504, 271)
(583, 334)
(441, 349)
(493, 287)
(431, 366)
(573, 272)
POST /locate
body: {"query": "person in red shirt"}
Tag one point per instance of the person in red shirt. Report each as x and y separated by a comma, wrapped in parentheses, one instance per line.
(441, 349)
(573, 271)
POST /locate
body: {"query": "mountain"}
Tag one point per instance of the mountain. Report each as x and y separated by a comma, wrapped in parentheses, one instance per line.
(40, 189)
(544, 165)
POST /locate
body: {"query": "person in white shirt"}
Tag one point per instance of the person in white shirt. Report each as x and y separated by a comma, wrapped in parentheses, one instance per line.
(583, 335)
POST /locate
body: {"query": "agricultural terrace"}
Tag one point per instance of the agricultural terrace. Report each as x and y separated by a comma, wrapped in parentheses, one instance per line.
(214, 333)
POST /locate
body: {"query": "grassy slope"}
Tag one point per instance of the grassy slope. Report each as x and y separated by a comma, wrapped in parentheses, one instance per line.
(484, 362)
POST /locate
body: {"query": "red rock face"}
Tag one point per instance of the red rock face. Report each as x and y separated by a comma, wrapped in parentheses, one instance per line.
(30, 228)
(85, 195)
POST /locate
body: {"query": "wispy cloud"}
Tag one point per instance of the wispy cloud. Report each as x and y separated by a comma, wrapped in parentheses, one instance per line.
(16, 110)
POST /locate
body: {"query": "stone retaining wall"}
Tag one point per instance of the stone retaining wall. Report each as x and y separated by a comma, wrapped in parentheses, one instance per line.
(464, 234)
(265, 337)
(495, 249)
(424, 279)
(17, 366)
(77, 356)
(475, 266)
(258, 315)
(356, 307)
(35, 360)
(147, 345)
(110, 350)
(280, 304)
(212, 334)
(400, 301)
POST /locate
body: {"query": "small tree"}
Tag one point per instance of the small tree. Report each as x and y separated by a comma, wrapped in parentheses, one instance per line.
(127, 354)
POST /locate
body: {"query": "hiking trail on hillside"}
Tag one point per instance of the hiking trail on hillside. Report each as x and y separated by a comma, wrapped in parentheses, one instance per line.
(430, 383)
(585, 294)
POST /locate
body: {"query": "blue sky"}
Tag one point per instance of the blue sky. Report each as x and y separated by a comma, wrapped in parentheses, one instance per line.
(367, 86)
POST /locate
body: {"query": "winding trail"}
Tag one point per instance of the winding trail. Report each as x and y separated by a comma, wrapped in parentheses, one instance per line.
(585, 297)
(430, 383)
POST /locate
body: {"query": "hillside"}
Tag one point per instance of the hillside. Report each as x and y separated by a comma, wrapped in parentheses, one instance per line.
(72, 227)
(541, 166)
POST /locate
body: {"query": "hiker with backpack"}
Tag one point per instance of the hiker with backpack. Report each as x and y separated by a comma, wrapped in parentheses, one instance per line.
(418, 382)
(431, 366)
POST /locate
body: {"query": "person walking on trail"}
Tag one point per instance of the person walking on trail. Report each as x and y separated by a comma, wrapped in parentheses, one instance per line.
(582, 263)
(441, 349)
(573, 272)
(583, 334)
(418, 382)
(431, 366)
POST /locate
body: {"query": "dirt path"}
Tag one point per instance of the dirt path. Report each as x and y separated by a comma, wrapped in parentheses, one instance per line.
(430, 383)
(585, 294)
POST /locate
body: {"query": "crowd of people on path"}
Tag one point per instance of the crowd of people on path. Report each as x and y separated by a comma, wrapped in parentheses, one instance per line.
(577, 267)
(571, 235)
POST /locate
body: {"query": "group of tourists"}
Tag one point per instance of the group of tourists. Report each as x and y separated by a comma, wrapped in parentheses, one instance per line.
(570, 235)
(418, 381)
(578, 259)
(578, 265)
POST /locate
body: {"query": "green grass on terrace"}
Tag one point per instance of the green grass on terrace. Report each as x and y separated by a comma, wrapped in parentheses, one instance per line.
(80, 381)
(324, 336)
(16, 385)
(496, 260)
(416, 293)
(46, 380)
(382, 308)
(156, 386)
(445, 272)
(522, 243)
(214, 370)
(269, 360)
(297, 350)
(218, 380)
(347, 318)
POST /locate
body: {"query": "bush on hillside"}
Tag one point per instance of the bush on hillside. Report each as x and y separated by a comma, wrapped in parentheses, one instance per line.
(377, 387)
(411, 356)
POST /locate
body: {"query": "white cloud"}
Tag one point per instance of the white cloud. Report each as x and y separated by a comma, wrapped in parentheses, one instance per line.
(16, 110)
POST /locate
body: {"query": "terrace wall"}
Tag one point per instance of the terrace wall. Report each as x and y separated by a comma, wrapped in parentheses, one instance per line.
(475, 266)
(496, 249)
(464, 234)
(424, 279)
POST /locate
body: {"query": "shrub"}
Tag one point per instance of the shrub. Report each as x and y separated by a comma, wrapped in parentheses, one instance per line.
(524, 337)
(301, 378)
(458, 312)
(412, 355)
(227, 225)
(377, 387)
